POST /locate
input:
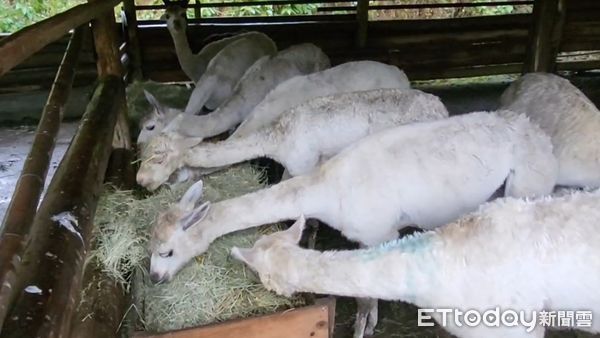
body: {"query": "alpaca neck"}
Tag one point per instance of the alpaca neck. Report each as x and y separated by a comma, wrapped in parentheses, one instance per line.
(283, 201)
(208, 125)
(187, 60)
(397, 274)
(230, 151)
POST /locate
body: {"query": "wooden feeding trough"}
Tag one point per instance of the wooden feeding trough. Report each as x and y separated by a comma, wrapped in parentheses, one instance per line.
(316, 321)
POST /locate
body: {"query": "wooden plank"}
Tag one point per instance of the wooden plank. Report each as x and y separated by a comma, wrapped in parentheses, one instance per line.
(314, 321)
(54, 257)
(24, 43)
(21, 210)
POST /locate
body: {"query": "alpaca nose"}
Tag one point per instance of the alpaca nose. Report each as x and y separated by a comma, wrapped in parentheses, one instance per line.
(142, 179)
(155, 277)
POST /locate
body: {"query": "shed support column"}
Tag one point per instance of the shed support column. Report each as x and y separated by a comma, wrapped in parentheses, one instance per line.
(105, 42)
(133, 42)
(362, 19)
(545, 35)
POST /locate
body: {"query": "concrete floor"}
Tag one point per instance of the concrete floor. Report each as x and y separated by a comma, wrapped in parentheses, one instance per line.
(15, 143)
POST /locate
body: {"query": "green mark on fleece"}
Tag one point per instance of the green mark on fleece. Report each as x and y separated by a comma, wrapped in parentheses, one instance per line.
(408, 244)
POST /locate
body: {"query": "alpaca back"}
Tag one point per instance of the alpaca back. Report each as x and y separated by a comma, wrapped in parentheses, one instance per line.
(568, 117)
(348, 77)
(426, 174)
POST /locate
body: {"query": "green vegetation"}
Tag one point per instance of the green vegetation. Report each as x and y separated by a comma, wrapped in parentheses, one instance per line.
(17, 14)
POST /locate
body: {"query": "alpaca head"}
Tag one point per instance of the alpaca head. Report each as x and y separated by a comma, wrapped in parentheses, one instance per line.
(172, 244)
(175, 17)
(161, 157)
(268, 257)
(156, 121)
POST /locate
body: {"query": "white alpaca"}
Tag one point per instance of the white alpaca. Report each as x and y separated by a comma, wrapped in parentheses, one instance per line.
(299, 139)
(511, 254)
(259, 80)
(216, 84)
(347, 77)
(426, 174)
(226, 69)
(156, 120)
(192, 65)
(571, 120)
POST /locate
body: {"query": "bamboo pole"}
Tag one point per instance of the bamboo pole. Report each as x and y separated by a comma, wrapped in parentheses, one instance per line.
(133, 42)
(19, 216)
(49, 279)
(19, 46)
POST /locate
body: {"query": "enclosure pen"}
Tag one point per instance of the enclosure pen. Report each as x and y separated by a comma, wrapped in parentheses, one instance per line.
(21, 211)
(52, 283)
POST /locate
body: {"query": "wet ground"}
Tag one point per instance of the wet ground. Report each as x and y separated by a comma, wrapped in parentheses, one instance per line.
(15, 143)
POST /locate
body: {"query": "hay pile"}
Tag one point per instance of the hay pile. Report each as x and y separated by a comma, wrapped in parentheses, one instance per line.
(213, 288)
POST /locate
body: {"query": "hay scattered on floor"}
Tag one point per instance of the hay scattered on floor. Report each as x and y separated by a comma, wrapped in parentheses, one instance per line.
(216, 289)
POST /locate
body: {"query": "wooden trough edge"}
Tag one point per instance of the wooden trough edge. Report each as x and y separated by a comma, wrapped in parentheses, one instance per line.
(316, 321)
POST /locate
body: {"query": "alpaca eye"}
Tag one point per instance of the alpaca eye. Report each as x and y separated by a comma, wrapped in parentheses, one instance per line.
(150, 127)
(168, 16)
(166, 254)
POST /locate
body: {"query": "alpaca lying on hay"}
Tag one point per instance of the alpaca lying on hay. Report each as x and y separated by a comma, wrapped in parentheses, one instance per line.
(212, 288)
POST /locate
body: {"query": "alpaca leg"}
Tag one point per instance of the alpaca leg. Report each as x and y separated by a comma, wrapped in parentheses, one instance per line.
(366, 317)
(313, 227)
(372, 317)
(361, 318)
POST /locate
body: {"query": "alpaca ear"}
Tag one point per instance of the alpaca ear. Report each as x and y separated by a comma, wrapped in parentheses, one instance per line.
(188, 142)
(192, 197)
(247, 256)
(195, 216)
(294, 233)
(154, 102)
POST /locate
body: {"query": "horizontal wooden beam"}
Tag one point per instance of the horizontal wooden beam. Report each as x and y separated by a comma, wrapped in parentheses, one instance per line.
(242, 4)
(49, 277)
(427, 6)
(20, 45)
(316, 321)
(21, 210)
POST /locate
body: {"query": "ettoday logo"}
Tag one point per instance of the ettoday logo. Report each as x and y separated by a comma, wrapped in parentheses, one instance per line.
(509, 318)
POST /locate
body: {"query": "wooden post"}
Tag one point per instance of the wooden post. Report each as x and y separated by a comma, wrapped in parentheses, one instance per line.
(109, 63)
(49, 280)
(19, 46)
(197, 10)
(24, 202)
(133, 42)
(362, 19)
(545, 34)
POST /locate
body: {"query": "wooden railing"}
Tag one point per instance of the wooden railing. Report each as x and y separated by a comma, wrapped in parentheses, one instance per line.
(41, 257)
